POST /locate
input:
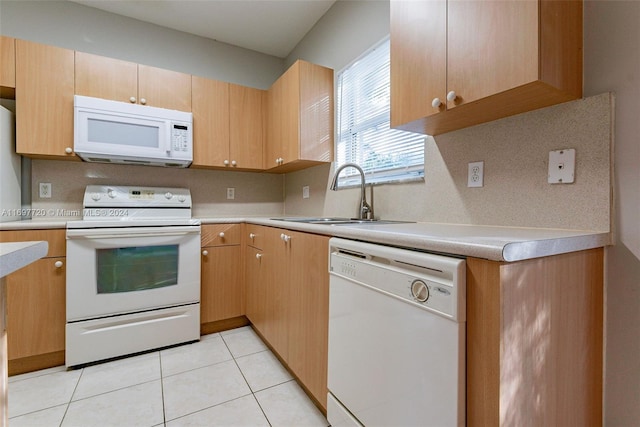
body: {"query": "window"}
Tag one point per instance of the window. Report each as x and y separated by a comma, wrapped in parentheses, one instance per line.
(364, 135)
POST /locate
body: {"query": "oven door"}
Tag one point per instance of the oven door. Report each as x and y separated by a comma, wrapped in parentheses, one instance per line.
(113, 271)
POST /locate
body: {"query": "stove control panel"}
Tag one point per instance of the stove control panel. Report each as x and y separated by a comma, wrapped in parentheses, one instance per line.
(96, 196)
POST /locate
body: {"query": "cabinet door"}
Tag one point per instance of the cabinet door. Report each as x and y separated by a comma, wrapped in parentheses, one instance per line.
(210, 122)
(418, 58)
(44, 100)
(222, 295)
(7, 65)
(246, 129)
(36, 309)
(290, 114)
(283, 103)
(316, 113)
(275, 105)
(309, 312)
(276, 282)
(164, 88)
(492, 47)
(255, 289)
(106, 78)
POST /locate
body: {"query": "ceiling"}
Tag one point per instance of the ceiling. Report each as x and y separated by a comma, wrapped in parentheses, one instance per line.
(273, 27)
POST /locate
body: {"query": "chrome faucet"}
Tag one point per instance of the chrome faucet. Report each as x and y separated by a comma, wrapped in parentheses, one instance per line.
(365, 210)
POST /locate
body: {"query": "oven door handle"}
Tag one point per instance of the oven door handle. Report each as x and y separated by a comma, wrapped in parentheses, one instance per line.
(107, 233)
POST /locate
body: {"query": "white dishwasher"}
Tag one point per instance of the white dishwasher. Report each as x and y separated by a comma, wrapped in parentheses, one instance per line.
(396, 337)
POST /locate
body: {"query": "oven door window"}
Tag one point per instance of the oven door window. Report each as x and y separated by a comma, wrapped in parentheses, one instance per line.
(136, 268)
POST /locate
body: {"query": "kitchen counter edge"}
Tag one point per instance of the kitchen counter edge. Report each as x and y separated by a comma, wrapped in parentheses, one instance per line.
(15, 255)
(494, 243)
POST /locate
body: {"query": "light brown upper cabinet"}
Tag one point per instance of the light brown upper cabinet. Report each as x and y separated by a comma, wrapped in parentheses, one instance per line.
(247, 127)
(228, 125)
(210, 122)
(44, 100)
(7, 67)
(459, 63)
(300, 119)
(118, 80)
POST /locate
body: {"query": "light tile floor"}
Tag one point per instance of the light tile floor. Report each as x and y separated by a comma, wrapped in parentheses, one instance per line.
(226, 379)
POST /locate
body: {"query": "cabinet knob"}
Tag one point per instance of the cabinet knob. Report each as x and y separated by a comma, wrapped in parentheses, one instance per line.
(68, 150)
(451, 96)
(58, 264)
(285, 238)
(143, 101)
(258, 256)
(436, 103)
(234, 163)
(252, 236)
(205, 253)
(226, 162)
(221, 234)
(132, 100)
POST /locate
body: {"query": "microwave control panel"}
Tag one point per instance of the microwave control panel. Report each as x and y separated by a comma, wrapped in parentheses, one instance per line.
(180, 137)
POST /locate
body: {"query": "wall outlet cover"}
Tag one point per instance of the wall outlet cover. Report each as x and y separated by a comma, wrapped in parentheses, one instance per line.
(562, 164)
(231, 193)
(305, 192)
(45, 190)
(475, 177)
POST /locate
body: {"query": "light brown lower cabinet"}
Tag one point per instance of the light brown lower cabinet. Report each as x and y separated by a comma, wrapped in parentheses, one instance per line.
(534, 341)
(222, 296)
(287, 283)
(36, 305)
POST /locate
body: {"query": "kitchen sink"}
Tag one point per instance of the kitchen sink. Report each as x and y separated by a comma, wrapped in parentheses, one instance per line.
(340, 221)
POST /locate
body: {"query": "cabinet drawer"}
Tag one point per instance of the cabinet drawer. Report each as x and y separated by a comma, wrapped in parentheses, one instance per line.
(256, 235)
(220, 234)
(56, 239)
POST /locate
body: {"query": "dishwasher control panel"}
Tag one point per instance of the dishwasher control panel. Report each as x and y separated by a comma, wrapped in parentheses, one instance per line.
(433, 282)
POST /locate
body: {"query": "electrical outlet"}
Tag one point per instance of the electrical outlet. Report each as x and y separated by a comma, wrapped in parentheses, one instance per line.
(231, 193)
(45, 190)
(475, 178)
(305, 192)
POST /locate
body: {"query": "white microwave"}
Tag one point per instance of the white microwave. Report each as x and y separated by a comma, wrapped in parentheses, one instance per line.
(118, 132)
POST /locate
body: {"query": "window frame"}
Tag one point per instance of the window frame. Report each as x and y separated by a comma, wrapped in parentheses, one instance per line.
(395, 175)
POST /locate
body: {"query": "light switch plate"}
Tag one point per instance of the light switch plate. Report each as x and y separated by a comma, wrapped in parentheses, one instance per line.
(562, 164)
(305, 192)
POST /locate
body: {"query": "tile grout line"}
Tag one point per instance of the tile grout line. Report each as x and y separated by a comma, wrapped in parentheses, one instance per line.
(245, 380)
(164, 411)
(71, 398)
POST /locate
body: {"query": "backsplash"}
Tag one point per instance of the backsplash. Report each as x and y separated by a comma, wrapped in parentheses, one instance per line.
(515, 152)
(255, 193)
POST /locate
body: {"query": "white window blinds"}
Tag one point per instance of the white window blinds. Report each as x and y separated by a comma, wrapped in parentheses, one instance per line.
(364, 136)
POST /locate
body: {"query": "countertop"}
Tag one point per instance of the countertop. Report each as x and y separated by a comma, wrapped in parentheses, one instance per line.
(14, 256)
(489, 242)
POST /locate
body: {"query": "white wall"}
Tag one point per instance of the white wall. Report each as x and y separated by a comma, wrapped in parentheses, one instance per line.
(86, 29)
(343, 33)
(612, 62)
